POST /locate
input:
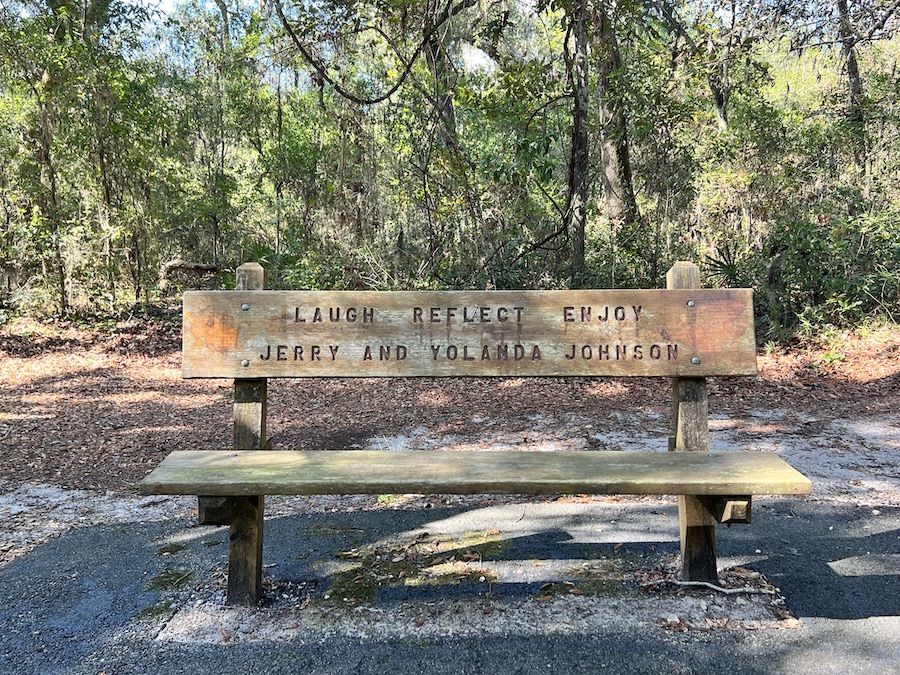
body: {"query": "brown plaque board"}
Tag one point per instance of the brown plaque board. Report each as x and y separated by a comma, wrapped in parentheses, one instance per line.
(676, 333)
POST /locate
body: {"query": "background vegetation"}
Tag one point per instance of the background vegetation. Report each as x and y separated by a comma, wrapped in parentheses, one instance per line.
(451, 143)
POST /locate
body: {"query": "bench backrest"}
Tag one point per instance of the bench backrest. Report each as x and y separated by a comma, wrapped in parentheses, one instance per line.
(671, 333)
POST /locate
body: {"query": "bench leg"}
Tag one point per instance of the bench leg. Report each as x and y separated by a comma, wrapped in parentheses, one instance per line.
(245, 551)
(698, 540)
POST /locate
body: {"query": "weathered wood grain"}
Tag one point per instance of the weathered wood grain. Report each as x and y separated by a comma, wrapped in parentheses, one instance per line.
(683, 332)
(690, 404)
(245, 539)
(250, 395)
(698, 540)
(245, 535)
(250, 403)
(502, 472)
(689, 333)
(728, 509)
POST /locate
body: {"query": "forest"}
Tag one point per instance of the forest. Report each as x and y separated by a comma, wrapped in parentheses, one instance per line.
(427, 144)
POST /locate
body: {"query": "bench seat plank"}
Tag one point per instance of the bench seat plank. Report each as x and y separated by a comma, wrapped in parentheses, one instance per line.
(218, 472)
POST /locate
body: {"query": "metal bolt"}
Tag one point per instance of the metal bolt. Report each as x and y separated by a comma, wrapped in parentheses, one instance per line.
(695, 360)
(245, 363)
(245, 307)
(691, 303)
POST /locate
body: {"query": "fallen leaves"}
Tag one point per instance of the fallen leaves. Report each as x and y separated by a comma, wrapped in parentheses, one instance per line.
(97, 409)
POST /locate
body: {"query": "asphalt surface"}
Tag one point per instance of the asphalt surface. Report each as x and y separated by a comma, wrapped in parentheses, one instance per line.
(85, 602)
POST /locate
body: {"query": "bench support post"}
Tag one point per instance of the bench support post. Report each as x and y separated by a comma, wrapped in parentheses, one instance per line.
(691, 418)
(244, 515)
(250, 398)
(245, 551)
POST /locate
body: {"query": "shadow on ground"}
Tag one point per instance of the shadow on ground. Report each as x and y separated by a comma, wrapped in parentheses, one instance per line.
(93, 599)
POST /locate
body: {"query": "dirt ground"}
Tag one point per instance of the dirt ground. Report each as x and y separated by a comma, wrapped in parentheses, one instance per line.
(98, 409)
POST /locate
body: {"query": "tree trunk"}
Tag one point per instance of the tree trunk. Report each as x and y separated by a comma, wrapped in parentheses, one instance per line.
(226, 28)
(856, 111)
(51, 205)
(579, 166)
(282, 168)
(719, 100)
(618, 185)
(442, 81)
(134, 257)
(717, 80)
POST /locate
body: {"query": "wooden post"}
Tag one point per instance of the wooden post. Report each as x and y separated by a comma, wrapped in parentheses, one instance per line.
(245, 541)
(691, 416)
(246, 532)
(244, 515)
(249, 409)
(250, 394)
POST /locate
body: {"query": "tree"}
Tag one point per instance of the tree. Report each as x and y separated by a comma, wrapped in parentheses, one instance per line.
(577, 63)
(626, 230)
(37, 52)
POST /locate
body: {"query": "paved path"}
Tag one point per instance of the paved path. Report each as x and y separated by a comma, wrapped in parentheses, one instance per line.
(82, 603)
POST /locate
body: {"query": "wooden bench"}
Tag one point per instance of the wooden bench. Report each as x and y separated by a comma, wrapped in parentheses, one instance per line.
(683, 332)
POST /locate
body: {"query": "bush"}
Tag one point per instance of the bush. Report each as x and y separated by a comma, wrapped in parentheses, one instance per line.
(831, 272)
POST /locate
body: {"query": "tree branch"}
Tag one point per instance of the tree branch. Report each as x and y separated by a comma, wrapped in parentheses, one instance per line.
(449, 12)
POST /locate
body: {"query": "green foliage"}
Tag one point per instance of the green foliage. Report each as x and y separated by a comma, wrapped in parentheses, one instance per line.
(728, 267)
(306, 270)
(227, 145)
(840, 272)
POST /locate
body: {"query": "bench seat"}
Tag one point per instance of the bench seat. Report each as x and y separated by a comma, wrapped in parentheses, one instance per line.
(261, 472)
